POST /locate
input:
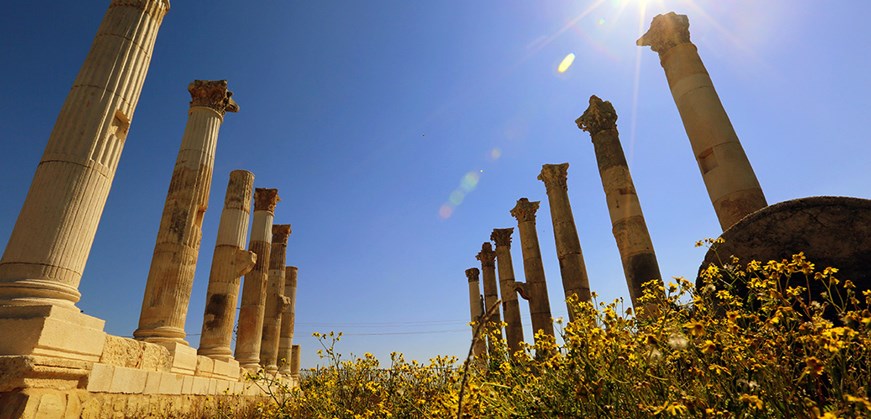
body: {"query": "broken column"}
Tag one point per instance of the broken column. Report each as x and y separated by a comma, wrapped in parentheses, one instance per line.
(476, 309)
(294, 363)
(48, 248)
(288, 320)
(510, 305)
(276, 301)
(535, 288)
(171, 276)
(565, 233)
(630, 230)
(250, 328)
(491, 294)
(229, 262)
(729, 178)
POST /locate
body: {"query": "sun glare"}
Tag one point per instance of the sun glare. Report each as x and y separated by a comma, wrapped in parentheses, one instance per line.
(566, 63)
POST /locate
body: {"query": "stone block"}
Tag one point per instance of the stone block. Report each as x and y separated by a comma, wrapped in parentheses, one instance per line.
(155, 357)
(187, 384)
(184, 358)
(170, 383)
(121, 352)
(30, 371)
(223, 387)
(200, 385)
(152, 382)
(100, 378)
(128, 380)
(52, 331)
(205, 366)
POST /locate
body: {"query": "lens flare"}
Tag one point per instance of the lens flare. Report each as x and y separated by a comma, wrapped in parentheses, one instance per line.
(495, 153)
(456, 197)
(566, 63)
(445, 211)
(469, 181)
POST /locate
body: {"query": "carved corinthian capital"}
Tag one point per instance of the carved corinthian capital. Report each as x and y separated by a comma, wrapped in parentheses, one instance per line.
(598, 117)
(472, 274)
(487, 256)
(265, 199)
(554, 176)
(665, 32)
(525, 210)
(280, 233)
(502, 236)
(212, 94)
(155, 8)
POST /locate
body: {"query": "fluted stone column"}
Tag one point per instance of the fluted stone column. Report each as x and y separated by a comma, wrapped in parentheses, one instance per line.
(568, 245)
(288, 321)
(250, 328)
(491, 294)
(510, 305)
(171, 276)
(229, 263)
(535, 288)
(479, 348)
(276, 301)
(42, 264)
(630, 230)
(294, 362)
(728, 176)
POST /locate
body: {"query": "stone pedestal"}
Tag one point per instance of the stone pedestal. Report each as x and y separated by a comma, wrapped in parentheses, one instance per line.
(171, 277)
(288, 321)
(630, 230)
(728, 176)
(250, 329)
(44, 338)
(491, 294)
(535, 288)
(568, 245)
(229, 263)
(510, 305)
(476, 306)
(276, 301)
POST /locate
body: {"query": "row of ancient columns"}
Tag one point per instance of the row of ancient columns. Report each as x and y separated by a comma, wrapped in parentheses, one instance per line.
(728, 176)
(43, 261)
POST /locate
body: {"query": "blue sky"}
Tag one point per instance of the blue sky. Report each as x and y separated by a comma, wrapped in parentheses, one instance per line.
(368, 115)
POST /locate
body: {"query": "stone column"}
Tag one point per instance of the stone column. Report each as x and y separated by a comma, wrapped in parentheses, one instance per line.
(250, 328)
(728, 176)
(229, 263)
(535, 288)
(477, 310)
(294, 363)
(630, 230)
(43, 261)
(491, 294)
(565, 233)
(510, 305)
(276, 301)
(171, 276)
(288, 321)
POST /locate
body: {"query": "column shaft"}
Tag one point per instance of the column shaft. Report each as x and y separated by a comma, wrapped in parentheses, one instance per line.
(535, 288)
(510, 305)
(476, 309)
(491, 294)
(276, 301)
(294, 362)
(288, 321)
(726, 170)
(50, 243)
(171, 276)
(229, 263)
(250, 329)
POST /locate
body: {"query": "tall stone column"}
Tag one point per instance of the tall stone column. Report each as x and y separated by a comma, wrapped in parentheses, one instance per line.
(229, 263)
(171, 277)
(491, 294)
(288, 321)
(728, 176)
(250, 328)
(510, 305)
(565, 233)
(276, 301)
(535, 288)
(42, 264)
(630, 230)
(477, 310)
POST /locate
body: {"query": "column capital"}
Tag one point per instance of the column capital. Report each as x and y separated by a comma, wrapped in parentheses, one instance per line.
(265, 199)
(487, 256)
(666, 31)
(502, 236)
(472, 274)
(554, 176)
(525, 210)
(280, 233)
(156, 8)
(599, 116)
(212, 94)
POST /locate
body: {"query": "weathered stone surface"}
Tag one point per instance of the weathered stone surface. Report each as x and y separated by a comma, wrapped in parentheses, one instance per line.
(276, 302)
(535, 288)
(288, 320)
(476, 308)
(510, 305)
(491, 290)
